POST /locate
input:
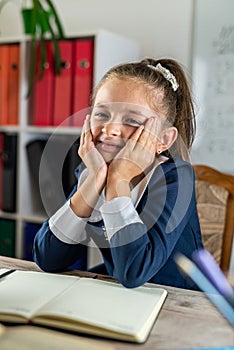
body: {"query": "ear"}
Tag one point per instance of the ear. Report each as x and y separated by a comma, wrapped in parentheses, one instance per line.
(166, 139)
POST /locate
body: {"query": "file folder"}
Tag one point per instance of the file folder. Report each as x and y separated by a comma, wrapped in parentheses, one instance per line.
(9, 172)
(56, 165)
(1, 166)
(44, 90)
(71, 162)
(62, 86)
(13, 84)
(3, 84)
(83, 58)
(7, 237)
(34, 151)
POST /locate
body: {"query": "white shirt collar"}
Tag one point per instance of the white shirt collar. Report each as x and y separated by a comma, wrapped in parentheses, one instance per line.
(136, 193)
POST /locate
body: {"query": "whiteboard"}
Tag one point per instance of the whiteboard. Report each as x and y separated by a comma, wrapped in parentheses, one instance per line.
(213, 83)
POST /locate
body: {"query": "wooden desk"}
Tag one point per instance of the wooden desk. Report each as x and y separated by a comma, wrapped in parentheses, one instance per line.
(187, 319)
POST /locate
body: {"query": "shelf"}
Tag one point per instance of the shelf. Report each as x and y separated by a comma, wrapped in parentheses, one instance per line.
(109, 49)
(49, 130)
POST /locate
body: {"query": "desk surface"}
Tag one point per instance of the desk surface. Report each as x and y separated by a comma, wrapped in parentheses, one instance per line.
(187, 319)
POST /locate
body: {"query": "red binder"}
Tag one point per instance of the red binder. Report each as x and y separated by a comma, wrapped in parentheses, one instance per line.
(62, 87)
(13, 84)
(83, 52)
(44, 90)
(3, 84)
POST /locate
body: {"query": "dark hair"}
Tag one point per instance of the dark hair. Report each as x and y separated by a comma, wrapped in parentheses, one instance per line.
(176, 106)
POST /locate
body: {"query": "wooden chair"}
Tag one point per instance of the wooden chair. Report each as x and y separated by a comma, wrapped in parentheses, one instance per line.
(215, 203)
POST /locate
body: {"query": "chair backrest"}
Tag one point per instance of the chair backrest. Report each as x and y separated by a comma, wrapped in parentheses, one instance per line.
(215, 203)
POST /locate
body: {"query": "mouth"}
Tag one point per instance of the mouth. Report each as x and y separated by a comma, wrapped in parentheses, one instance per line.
(109, 147)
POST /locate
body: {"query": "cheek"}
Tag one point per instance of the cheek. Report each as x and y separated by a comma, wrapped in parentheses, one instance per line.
(95, 124)
(96, 130)
(128, 132)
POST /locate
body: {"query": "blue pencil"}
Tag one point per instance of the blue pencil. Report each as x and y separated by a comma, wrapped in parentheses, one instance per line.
(207, 264)
(193, 272)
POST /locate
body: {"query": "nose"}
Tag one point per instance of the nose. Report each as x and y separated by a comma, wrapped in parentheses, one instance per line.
(112, 129)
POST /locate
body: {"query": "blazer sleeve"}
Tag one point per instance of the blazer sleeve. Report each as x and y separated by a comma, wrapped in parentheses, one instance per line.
(139, 250)
(53, 254)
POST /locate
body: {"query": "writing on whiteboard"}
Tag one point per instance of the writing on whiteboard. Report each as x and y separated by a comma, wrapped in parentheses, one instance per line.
(224, 44)
(216, 125)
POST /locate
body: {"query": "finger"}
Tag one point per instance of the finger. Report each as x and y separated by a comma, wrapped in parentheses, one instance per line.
(86, 125)
(86, 128)
(136, 135)
(149, 125)
(83, 130)
(148, 139)
(150, 132)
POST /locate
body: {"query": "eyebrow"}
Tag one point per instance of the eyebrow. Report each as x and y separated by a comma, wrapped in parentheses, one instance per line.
(100, 105)
(129, 111)
(137, 113)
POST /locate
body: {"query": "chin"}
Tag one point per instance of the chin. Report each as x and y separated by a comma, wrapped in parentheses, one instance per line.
(108, 157)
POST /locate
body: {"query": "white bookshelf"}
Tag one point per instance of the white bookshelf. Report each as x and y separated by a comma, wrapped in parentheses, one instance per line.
(109, 49)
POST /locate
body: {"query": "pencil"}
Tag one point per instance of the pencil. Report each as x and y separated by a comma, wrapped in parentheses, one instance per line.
(193, 272)
(4, 274)
(208, 266)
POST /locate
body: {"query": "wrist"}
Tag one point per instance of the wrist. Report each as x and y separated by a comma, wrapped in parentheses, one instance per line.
(98, 179)
(117, 187)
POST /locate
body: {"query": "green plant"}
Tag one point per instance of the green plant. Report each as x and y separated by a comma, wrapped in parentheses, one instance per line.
(43, 23)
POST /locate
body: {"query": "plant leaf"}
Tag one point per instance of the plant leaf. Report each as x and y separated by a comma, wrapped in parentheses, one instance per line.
(32, 62)
(42, 58)
(37, 34)
(43, 53)
(57, 55)
(57, 20)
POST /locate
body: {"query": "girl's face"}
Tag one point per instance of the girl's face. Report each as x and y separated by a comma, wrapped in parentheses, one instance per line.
(119, 108)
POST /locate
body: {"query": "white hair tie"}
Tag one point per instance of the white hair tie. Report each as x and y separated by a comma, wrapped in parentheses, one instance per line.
(167, 75)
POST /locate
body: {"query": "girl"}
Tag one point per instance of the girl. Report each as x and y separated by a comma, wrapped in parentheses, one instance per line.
(135, 196)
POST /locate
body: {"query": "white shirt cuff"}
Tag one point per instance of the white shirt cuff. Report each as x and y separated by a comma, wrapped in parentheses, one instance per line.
(67, 226)
(118, 213)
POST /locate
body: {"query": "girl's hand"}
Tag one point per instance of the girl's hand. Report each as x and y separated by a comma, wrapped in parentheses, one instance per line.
(85, 198)
(93, 160)
(138, 153)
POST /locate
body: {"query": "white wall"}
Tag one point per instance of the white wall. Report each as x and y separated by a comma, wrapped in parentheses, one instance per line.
(162, 27)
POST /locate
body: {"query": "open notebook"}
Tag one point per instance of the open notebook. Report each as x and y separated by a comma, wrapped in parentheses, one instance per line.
(80, 304)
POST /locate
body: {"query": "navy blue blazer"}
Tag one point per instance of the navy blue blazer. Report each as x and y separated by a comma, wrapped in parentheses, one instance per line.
(144, 251)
